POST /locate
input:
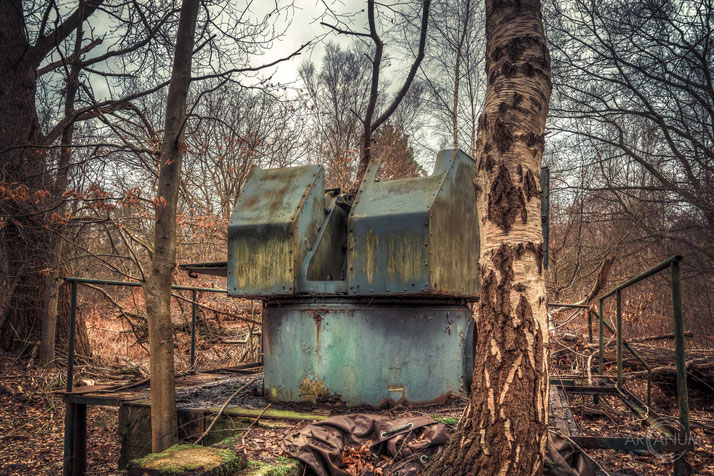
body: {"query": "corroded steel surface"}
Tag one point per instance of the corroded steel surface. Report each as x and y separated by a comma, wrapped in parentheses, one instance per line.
(336, 272)
(366, 352)
(274, 224)
(415, 236)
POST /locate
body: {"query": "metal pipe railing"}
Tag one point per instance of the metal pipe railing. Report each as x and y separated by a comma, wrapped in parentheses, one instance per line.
(618, 335)
(562, 304)
(137, 284)
(682, 395)
(193, 329)
(74, 281)
(74, 418)
(652, 271)
(635, 354)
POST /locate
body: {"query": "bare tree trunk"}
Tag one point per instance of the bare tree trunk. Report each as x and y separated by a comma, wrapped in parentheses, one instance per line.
(457, 74)
(20, 163)
(23, 163)
(504, 430)
(370, 124)
(158, 284)
(53, 280)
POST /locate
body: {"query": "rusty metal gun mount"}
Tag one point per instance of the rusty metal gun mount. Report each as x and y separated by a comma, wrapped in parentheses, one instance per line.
(366, 297)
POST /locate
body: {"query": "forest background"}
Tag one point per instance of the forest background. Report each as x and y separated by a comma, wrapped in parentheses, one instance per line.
(629, 144)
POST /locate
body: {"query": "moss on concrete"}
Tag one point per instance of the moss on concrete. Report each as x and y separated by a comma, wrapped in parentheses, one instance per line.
(281, 466)
(192, 459)
(275, 414)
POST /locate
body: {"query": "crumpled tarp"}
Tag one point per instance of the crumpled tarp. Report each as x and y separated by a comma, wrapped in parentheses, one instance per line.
(399, 446)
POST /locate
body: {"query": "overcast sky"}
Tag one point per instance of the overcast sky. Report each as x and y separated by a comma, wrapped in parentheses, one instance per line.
(304, 27)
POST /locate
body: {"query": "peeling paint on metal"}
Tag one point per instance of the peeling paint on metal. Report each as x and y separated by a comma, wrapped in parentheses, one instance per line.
(366, 347)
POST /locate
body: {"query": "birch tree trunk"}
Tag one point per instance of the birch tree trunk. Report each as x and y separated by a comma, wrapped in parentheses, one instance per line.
(504, 430)
(158, 284)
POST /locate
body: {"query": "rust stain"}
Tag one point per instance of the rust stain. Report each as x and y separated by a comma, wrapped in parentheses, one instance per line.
(406, 257)
(441, 399)
(262, 261)
(371, 245)
(318, 326)
(312, 389)
(251, 202)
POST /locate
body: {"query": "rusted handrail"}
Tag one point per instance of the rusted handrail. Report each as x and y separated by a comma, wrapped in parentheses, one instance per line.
(74, 281)
(70, 416)
(673, 264)
(638, 357)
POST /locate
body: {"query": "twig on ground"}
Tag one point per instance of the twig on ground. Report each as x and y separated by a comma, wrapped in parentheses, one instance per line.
(247, 430)
(220, 412)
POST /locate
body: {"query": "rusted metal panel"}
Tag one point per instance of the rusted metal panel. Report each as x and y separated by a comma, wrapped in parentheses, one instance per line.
(366, 352)
(454, 231)
(366, 299)
(274, 225)
(328, 262)
(416, 235)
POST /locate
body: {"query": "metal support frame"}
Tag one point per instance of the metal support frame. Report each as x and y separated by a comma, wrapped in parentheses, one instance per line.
(193, 329)
(669, 442)
(545, 211)
(75, 422)
(682, 397)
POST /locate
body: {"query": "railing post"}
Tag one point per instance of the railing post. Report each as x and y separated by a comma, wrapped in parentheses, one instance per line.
(590, 326)
(193, 329)
(601, 342)
(72, 325)
(545, 211)
(619, 337)
(70, 413)
(682, 396)
(601, 348)
(649, 387)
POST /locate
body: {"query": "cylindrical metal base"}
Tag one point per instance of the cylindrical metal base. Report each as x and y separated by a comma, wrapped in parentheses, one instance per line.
(366, 352)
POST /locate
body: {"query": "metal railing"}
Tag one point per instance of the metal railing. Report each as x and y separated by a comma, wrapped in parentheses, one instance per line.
(673, 264)
(76, 414)
(74, 282)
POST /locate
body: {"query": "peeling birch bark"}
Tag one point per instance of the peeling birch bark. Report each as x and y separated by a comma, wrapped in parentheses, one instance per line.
(506, 432)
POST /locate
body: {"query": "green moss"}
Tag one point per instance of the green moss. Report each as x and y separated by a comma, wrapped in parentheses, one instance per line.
(180, 458)
(446, 420)
(229, 441)
(274, 414)
(281, 466)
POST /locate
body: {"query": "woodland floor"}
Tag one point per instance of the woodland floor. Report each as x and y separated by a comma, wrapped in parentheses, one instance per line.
(32, 419)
